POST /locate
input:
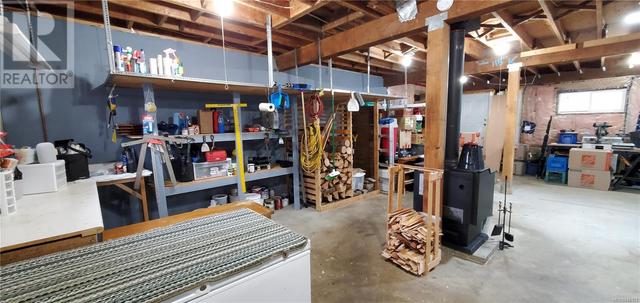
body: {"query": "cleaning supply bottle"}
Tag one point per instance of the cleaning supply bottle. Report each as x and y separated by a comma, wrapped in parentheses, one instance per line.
(169, 62)
(134, 60)
(142, 63)
(220, 123)
(160, 65)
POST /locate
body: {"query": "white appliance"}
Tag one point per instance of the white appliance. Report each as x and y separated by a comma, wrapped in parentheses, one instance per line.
(43, 177)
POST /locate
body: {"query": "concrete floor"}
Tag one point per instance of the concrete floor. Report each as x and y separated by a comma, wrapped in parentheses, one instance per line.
(572, 245)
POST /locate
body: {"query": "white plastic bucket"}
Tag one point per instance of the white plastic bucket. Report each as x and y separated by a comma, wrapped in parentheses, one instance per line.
(357, 182)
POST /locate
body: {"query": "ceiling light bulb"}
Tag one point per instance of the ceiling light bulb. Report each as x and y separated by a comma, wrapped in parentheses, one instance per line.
(632, 18)
(406, 60)
(464, 79)
(501, 49)
(224, 8)
(634, 59)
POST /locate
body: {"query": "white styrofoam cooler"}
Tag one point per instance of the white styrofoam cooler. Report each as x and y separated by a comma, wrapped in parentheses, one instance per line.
(43, 178)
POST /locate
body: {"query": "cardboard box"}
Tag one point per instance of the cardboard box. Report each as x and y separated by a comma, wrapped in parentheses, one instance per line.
(592, 159)
(405, 139)
(205, 120)
(417, 139)
(407, 123)
(592, 179)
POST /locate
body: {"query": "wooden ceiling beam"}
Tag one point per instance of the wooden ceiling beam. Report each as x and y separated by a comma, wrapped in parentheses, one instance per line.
(298, 9)
(421, 46)
(588, 50)
(90, 8)
(156, 7)
(508, 22)
(342, 21)
(362, 59)
(246, 15)
(600, 23)
(551, 14)
(474, 48)
(383, 29)
(359, 7)
(267, 7)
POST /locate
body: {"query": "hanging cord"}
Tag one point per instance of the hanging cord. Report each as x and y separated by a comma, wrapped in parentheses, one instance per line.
(224, 54)
(311, 159)
(34, 60)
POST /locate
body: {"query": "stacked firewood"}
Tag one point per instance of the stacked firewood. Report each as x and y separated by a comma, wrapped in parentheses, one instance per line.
(407, 236)
(340, 186)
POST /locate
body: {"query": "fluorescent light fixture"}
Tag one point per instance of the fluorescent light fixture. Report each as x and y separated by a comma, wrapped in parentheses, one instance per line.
(223, 8)
(464, 79)
(407, 59)
(501, 49)
(634, 59)
(632, 18)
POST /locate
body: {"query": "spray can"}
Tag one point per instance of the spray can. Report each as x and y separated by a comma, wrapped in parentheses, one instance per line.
(117, 54)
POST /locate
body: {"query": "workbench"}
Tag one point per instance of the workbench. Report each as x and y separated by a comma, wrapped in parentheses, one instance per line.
(51, 222)
(102, 176)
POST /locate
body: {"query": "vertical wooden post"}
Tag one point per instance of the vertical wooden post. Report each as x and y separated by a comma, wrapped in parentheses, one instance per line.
(376, 145)
(513, 87)
(437, 88)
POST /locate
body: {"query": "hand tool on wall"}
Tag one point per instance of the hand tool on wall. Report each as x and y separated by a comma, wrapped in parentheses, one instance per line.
(111, 106)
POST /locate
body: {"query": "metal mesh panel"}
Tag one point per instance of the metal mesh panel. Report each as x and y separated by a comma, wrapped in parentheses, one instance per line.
(151, 266)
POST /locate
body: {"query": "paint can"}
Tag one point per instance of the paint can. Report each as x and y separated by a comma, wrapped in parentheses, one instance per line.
(219, 199)
(269, 204)
(285, 202)
(277, 202)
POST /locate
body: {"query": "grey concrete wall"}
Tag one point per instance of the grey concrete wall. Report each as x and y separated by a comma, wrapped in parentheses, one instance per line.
(81, 113)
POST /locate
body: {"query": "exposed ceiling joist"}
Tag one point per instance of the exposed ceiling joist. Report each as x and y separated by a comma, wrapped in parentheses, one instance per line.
(507, 21)
(342, 21)
(245, 15)
(551, 13)
(600, 28)
(384, 29)
(360, 6)
(299, 8)
(269, 7)
(588, 50)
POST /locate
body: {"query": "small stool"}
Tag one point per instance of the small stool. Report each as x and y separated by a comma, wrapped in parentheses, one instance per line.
(563, 176)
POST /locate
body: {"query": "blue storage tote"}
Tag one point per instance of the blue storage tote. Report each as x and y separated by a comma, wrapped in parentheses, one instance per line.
(557, 163)
(568, 138)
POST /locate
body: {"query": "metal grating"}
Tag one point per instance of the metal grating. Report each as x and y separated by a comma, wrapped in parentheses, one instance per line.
(151, 266)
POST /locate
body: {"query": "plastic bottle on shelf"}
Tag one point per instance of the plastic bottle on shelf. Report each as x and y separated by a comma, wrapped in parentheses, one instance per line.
(220, 123)
(160, 65)
(117, 54)
(142, 63)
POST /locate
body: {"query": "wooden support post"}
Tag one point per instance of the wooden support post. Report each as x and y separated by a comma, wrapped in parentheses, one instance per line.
(376, 145)
(513, 87)
(437, 88)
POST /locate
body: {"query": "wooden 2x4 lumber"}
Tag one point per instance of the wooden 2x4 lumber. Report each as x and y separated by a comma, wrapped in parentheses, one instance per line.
(383, 29)
(600, 27)
(513, 87)
(359, 6)
(551, 14)
(246, 15)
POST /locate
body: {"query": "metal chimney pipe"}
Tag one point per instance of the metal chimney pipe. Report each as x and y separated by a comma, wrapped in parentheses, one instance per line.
(454, 101)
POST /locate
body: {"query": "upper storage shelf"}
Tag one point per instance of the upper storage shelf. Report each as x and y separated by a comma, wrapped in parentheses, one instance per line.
(126, 79)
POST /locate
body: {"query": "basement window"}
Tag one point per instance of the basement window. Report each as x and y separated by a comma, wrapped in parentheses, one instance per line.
(591, 102)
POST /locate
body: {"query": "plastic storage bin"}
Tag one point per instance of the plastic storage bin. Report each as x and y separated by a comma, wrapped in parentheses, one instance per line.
(7, 193)
(568, 138)
(205, 170)
(43, 177)
(557, 163)
(357, 182)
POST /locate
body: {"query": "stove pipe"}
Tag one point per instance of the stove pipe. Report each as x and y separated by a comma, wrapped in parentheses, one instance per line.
(454, 101)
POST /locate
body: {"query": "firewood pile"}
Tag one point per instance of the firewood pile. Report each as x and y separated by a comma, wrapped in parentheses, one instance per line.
(340, 186)
(407, 236)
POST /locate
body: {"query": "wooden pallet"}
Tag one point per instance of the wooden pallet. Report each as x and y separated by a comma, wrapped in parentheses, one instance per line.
(432, 209)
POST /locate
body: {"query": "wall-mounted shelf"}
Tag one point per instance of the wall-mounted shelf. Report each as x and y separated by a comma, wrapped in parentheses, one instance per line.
(226, 137)
(269, 173)
(128, 79)
(187, 187)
